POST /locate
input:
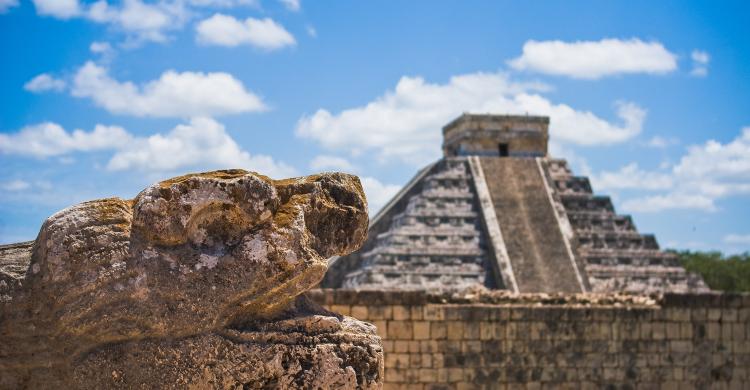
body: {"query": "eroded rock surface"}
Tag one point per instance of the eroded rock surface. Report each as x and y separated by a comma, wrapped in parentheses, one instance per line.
(197, 282)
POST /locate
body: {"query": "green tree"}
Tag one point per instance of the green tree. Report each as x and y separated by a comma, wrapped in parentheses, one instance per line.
(726, 273)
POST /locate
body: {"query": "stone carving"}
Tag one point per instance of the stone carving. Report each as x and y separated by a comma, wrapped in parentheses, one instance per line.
(198, 281)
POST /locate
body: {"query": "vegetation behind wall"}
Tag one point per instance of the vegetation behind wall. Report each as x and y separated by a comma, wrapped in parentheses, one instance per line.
(725, 273)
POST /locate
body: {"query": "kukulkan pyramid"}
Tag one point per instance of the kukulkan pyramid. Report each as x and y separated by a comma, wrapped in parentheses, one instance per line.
(498, 211)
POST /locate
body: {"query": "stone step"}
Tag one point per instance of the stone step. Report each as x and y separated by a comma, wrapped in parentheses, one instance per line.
(616, 240)
(587, 203)
(644, 257)
(584, 221)
(575, 185)
(532, 236)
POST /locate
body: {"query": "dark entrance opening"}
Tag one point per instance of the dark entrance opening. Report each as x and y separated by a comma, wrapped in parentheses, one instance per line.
(503, 150)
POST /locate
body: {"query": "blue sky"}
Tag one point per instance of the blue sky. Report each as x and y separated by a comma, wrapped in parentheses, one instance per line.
(649, 99)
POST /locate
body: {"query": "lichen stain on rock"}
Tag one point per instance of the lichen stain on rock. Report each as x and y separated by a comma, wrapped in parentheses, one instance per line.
(192, 275)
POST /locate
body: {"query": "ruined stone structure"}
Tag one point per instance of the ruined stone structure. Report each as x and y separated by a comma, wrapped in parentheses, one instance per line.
(198, 283)
(497, 211)
(501, 340)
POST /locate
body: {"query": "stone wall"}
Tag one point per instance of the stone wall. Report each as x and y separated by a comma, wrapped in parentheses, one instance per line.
(499, 340)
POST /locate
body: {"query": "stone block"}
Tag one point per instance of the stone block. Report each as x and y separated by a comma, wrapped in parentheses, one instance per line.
(428, 346)
(714, 314)
(427, 375)
(433, 313)
(726, 331)
(729, 315)
(382, 328)
(401, 313)
(471, 347)
(455, 330)
(471, 331)
(359, 312)
(416, 312)
(400, 330)
(658, 331)
(438, 361)
(393, 376)
(686, 331)
(341, 309)
(438, 330)
(486, 330)
(379, 313)
(401, 346)
(739, 331)
(421, 330)
(455, 374)
(698, 314)
(672, 330)
(679, 314)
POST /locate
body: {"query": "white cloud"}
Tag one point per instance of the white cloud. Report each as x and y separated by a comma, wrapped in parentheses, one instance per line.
(141, 21)
(291, 5)
(700, 63)
(201, 144)
(61, 9)
(224, 3)
(595, 59)
(225, 30)
(174, 94)
(632, 177)
(6, 5)
(737, 239)
(100, 47)
(323, 162)
(19, 185)
(44, 82)
(705, 174)
(311, 31)
(15, 185)
(661, 142)
(404, 124)
(377, 193)
(104, 50)
(50, 139)
(671, 201)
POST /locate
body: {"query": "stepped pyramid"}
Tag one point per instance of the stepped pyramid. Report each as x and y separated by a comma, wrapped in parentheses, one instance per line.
(497, 211)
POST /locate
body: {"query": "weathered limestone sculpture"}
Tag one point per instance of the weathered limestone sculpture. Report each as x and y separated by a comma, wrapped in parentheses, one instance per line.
(195, 283)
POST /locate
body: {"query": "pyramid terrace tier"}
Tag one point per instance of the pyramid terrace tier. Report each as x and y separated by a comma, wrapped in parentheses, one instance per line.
(634, 257)
(616, 240)
(431, 250)
(386, 278)
(598, 221)
(413, 222)
(422, 205)
(587, 203)
(428, 264)
(643, 279)
(464, 237)
(558, 168)
(572, 185)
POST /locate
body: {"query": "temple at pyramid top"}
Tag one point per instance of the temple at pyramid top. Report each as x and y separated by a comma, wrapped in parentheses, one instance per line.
(496, 135)
(497, 211)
